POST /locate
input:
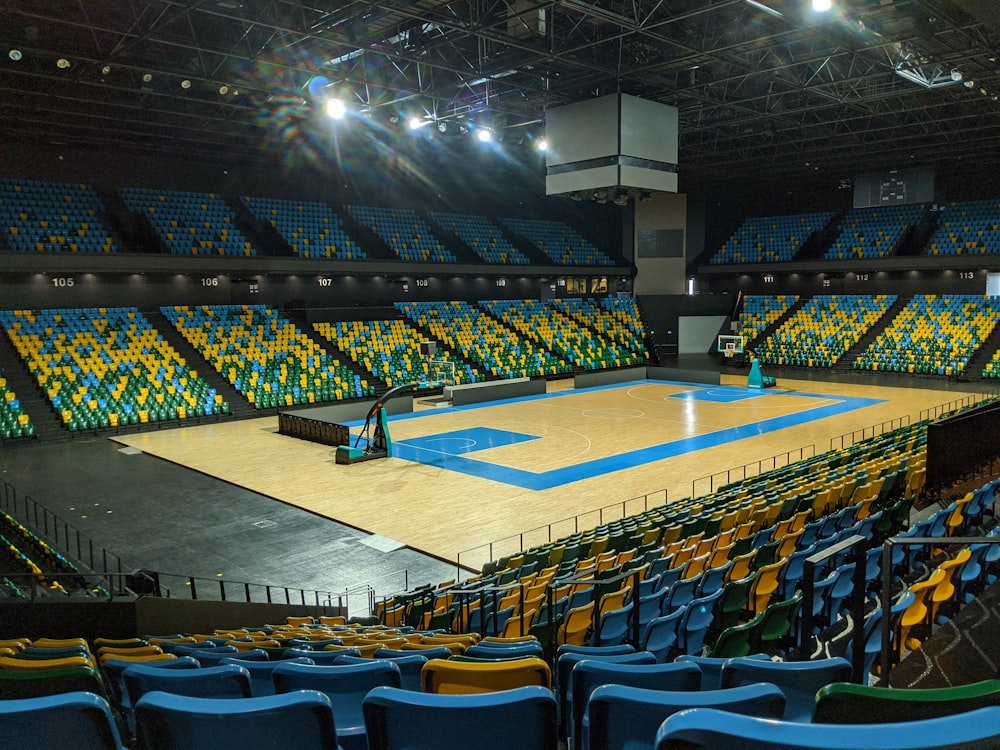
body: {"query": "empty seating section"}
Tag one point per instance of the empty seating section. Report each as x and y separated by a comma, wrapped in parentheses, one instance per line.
(52, 216)
(616, 318)
(761, 310)
(478, 233)
(105, 367)
(563, 245)
(311, 229)
(14, 423)
(482, 339)
(770, 239)
(190, 223)
(685, 555)
(390, 350)
(823, 329)
(265, 356)
(873, 232)
(967, 227)
(933, 334)
(405, 232)
(572, 341)
(45, 569)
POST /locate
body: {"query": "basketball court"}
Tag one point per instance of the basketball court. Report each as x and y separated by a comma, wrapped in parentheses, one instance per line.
(518, 473)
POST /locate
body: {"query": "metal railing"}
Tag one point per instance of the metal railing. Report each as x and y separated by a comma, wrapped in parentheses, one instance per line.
(934, 412)
(865, 433)
(885, 596)
(119, 578)
(547, 533)
(59, 533)
(748, 470)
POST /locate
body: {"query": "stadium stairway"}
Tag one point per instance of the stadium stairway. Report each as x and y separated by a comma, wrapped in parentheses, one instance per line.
(131, 232)
(261, 234)
(914, 240)
(846, 363)
(816, 244)
(974, 367)
(48, 426)
(374, 246)
(241, 408)
(452, 241)
(536, 256)
(776, 324)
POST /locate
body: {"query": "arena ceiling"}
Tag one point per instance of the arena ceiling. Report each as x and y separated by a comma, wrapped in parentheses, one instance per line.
(762, 88)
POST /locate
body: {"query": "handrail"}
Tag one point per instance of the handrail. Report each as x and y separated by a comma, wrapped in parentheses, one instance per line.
(869, 432)
(490, 548)
(120, 576)
(760, 469)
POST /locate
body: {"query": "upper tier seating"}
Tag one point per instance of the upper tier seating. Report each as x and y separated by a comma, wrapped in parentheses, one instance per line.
(405, 232)
(967, 227)
(823, 329)
(573, 341)
(390, 350)
(104, 367)
(264, 356)
(761, 310)
(14, 423)
(614, 317)
(485, 239)
(190, 223)
(52, 216)
(559, 242)
(770, 239)
(933, 334)
(310, 228)
(873, 232)
(479, 337)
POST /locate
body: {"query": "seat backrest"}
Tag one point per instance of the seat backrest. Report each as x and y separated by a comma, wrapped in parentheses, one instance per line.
(442, 676)
(80, 720)
(711, 729)
(847, 703)
(620, 716)
(798, 680)
(523, 718)
(588, 675)
(228, 681)
(344, 684)
(711, 668)
(261, 677)
(35, 684)
(303, 719)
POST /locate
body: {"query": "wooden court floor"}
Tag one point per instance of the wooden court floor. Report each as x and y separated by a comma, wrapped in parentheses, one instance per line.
(473, 476)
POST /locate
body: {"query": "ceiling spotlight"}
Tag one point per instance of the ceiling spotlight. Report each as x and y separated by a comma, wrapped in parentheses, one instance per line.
(15, 55)
(822, 6)
(415, 122)
(956, 74)
(223, 89)
(969, 84)
(335, 109)
(185, 84)
(147, 77)
(542, 145)
(62, 63)
(484, 135)
(442, 127)
(105, 70)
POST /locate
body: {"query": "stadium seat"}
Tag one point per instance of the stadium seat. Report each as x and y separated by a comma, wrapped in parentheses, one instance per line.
(80, 720)
(303, 719)
(522, 718)
(710, 729)
(621, 716)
